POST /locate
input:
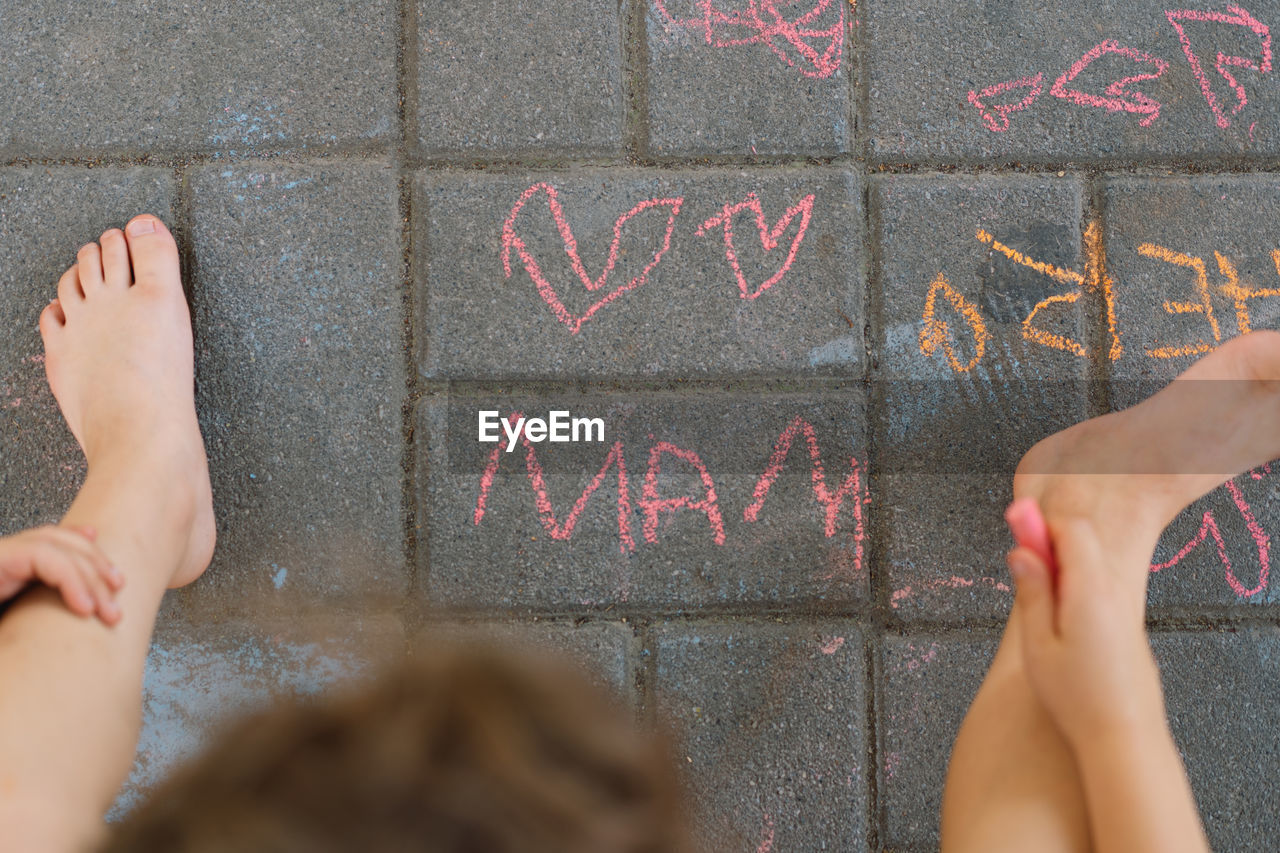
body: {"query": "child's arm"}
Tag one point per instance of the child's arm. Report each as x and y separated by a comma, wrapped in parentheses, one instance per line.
(1091, 666)
(67, 560)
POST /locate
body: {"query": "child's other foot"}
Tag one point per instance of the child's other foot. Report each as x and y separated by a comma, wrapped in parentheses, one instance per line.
(1131, 472)
(120, 363)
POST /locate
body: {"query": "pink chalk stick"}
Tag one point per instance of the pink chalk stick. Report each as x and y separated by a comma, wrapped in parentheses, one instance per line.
(1029, 529)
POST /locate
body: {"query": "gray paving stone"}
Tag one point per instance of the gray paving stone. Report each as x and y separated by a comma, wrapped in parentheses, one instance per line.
(199, 678)
(771, 717)
(602, 649)
(924, 59)
(529, 76)
(725, 78)
(46, 215)
(693, 314)
(1223, 695)
(494, 543)
(228, 75)
(300, 362)
(955, 417)
(928, 685)
(1220, 690)
(1158, 229)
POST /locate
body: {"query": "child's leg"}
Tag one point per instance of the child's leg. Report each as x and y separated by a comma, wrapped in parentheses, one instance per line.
(119, 358)
(1012, 783)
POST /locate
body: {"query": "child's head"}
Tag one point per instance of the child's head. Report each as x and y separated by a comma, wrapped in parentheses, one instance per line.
(460, 751)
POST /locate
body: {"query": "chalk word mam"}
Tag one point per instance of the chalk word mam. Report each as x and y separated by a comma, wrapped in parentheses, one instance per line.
(770, 239)
(844, 503)
(938, 336)
(558, 428)
(810, 41)
(999, 101)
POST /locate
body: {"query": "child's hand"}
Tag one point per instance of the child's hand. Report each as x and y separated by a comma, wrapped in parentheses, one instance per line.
(67, 560)
(1086, 655)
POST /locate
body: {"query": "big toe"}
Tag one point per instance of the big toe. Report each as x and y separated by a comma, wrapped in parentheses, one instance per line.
(153, 252)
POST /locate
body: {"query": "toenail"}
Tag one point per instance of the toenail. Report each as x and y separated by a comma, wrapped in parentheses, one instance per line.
(138, 227)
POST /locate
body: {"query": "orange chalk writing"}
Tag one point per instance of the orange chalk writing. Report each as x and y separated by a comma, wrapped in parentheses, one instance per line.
(936, 333)
(1203, 306)
(1055, 273)
(1239, 294)
(1029, 330)
(1097, 280)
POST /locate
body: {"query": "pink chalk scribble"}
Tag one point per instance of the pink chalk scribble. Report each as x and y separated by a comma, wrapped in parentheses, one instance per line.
(769, 237)
(767, 836)
(1209, 529)
(830, 647)
(1235, 16)
(999, 122)
(652, 504)
(1118, 97)
(953, 582)
(546, 512)
(917, 659)
(763, 22)
(766, 839)
(545, 289)
(851, 487)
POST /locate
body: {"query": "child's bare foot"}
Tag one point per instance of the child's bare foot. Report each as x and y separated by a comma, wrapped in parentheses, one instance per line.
(1131, 472)
(119, 360)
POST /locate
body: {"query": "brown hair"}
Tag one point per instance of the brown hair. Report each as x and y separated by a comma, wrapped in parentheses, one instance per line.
(458, 751)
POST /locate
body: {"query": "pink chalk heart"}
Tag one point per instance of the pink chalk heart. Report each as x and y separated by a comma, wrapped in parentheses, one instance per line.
(545, 289)
(769, 237)
(1118, 95)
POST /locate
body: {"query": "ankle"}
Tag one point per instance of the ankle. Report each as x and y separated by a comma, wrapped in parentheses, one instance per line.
(167, 448)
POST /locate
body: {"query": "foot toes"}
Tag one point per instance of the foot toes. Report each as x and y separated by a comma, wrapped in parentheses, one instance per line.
(89, 260)
(153, 252)
(69, 292)
(52, 318)
(115, 258)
